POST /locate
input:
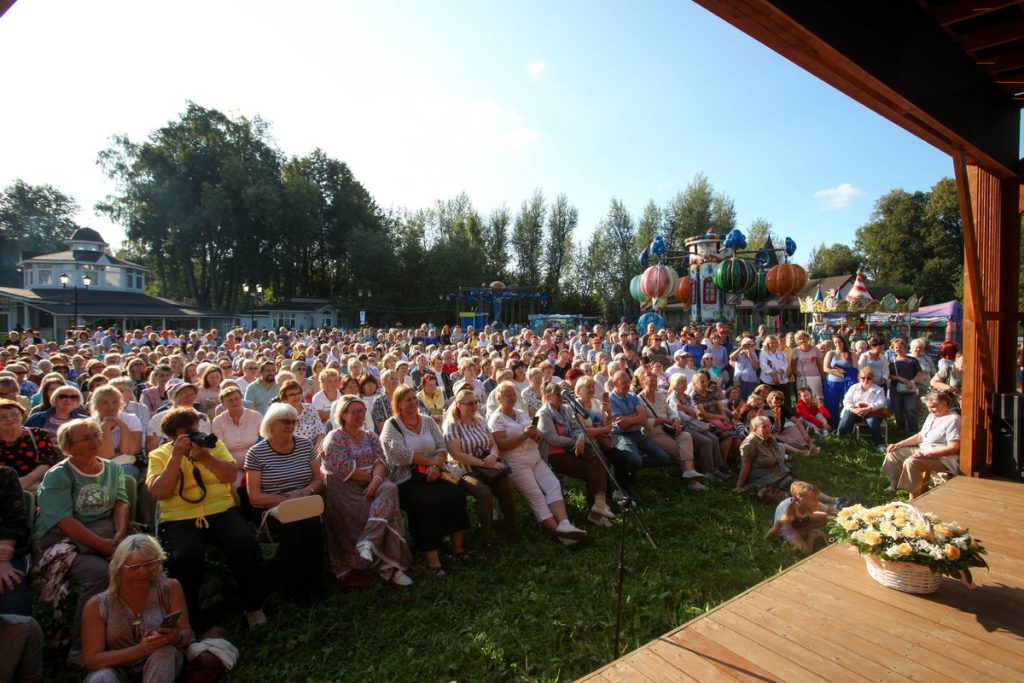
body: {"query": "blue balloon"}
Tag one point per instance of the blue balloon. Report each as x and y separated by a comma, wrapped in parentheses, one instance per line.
(790, 246)
(658, 246)
(735, 239)
(644, 258)
(650, 317)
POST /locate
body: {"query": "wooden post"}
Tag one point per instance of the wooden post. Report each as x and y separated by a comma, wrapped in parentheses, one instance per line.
(989, 209)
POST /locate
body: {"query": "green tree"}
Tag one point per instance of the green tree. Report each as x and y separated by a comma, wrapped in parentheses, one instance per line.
(620, 232)
(528, 240)
(496, 243)
(835, 259)
(759, 232)
(650, 225)
(35, 218)
(562, 221)
(696, 210)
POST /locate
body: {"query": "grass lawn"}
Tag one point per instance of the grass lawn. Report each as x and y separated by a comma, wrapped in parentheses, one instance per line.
(545, 612)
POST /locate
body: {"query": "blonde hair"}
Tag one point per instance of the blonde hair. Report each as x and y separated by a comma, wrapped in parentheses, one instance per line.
(136, 543)
(275, 413)
(452, 414)
(342, 404)
(105, 391)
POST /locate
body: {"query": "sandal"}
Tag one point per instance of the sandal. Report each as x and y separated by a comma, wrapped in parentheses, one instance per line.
(439, 572)
(464, 557)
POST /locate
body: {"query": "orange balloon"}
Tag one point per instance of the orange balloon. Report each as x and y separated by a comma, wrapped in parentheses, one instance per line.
(786, 279)
(683, 291)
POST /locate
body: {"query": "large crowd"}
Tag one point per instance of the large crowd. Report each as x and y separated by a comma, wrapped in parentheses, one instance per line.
(125, 458)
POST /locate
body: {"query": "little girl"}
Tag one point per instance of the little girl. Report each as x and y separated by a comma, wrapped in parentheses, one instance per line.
(813, 415)
(799, 518)
(785, 429)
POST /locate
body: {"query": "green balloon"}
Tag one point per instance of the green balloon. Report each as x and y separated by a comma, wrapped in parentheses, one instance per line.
(758, 292)
(634, 290)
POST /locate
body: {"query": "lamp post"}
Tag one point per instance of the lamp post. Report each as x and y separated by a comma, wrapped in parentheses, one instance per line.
(86, 282)
(364, 295)
(259, 296)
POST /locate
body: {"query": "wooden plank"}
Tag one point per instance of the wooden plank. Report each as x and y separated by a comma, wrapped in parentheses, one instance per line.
(1000, 34)
(959, 10)
(704, 659)
(1008, 61)
(647, 662)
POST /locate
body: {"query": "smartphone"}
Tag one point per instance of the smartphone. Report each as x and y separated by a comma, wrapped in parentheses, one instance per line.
(534, 420)
(170, 620)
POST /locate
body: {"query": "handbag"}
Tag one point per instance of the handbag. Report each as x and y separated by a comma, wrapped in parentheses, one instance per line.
(488, 475)
(902, 388)
(293, 510)
(696, 426)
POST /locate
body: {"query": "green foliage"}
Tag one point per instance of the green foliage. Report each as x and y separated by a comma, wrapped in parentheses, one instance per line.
(528, 239)
(562, 221)
(759, 232)
(650, 225)
(835, 259)
(35, 218)
(696, 210)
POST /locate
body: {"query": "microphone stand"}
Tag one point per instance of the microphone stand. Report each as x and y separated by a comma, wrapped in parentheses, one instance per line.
(626, 504)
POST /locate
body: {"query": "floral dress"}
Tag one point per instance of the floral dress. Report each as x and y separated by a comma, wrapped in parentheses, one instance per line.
(350, 516)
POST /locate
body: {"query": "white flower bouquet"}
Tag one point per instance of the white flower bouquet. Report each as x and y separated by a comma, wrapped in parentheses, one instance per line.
(900, 533)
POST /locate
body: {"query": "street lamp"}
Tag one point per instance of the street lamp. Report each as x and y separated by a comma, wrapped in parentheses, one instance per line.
(86, 282)
(259, 296)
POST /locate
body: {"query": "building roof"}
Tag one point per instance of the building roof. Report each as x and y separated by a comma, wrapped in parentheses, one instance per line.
(87, 235)
(79, 256)
(294, 306)
(101, 303)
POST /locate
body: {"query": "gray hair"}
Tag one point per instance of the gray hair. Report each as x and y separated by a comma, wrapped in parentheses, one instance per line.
(65, 433)
(758, 420)
(275, 413)
(136, 543)
(100, 393)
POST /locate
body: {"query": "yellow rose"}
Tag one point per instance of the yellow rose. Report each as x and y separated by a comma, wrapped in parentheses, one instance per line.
(921, 531)
(849, 524)
(942, 530)
(872, 537)
(905, 549)
(952, 552)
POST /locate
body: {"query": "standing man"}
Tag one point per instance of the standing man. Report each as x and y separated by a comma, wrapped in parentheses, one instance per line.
(262, 392)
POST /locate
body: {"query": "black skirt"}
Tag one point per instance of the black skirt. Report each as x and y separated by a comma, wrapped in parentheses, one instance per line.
(435, 509)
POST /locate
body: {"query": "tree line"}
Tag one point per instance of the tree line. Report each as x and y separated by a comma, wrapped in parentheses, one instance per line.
(209, 202)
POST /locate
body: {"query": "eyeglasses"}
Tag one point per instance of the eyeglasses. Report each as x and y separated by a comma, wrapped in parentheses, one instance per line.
(288, 423)
(469, 403)
(66, 397)
(142, 566)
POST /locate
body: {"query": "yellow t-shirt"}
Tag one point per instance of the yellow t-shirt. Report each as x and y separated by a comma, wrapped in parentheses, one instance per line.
(218, 494)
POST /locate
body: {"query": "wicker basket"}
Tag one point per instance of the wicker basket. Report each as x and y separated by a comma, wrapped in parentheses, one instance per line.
(903, 576)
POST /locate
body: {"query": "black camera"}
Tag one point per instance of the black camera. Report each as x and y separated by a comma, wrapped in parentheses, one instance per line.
(201, 439)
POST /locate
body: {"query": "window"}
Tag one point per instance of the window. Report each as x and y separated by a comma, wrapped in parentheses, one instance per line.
(45, 276)
(92, 278)
(29, 274)
(112, 278)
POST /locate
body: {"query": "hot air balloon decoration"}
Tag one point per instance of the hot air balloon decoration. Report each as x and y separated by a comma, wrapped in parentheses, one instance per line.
(683, 291)
(634, 290)
(734, 275)
(659, 281)
(786, 279)
(758, 292)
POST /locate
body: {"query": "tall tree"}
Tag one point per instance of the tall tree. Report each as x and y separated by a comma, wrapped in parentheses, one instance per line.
(650, 225)
(36, 218)
(496, 243)
(835, 259)
(528, 239)
(698, 209)
(562, 220)
(759, 232)
(620, 232)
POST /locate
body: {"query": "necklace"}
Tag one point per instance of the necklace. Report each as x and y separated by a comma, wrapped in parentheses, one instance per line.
(413, 426)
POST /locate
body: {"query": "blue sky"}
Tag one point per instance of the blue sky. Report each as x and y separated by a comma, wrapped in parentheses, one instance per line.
(428, 99)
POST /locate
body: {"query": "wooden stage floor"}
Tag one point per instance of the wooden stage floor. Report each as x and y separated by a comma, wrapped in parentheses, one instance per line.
(825, 619)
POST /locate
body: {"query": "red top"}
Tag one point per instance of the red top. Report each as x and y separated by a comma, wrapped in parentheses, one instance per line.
(805, 411)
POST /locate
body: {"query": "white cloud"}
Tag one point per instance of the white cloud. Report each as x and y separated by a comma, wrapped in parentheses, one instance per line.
(536, 68)
(837, 197)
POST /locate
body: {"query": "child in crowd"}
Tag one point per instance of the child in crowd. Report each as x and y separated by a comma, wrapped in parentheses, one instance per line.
(814, 415)
(785, 429)
(799, 518)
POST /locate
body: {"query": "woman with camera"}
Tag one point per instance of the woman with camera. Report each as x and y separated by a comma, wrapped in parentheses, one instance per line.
(191, 476)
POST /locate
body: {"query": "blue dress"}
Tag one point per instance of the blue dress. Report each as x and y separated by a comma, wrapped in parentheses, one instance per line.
(835, 388)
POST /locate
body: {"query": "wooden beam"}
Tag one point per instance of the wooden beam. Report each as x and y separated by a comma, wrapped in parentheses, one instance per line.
(893, 58)
(953, 12)
(1008, 61)
(1000, 34)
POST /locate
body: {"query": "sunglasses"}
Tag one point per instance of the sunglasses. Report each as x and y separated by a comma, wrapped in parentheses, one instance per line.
(66, 397)
(142, 565)
(288, 423)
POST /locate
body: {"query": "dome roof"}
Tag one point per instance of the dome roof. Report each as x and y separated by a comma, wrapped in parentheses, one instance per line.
(86, 235)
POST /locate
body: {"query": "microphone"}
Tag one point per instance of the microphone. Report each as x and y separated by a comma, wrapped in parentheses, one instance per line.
(567, 395)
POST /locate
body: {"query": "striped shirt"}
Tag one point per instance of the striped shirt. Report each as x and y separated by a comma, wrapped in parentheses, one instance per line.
(281, 472)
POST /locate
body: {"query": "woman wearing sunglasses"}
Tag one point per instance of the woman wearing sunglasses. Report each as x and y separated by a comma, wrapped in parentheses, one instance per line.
(131, 631)
(193, 482)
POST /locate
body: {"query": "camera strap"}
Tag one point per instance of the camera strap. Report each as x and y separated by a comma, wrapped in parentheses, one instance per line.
(197, 475)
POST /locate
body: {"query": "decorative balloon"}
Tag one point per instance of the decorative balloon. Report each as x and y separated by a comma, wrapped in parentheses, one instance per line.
(786, 279)
(735, 240)
(758, 292)
(634, 290)
(734, 275)
(650, 317)
(645, 257)
(659, 281)
(790, 246)
(683, 290)
(497, 285)
(658, 246)
(659, 303)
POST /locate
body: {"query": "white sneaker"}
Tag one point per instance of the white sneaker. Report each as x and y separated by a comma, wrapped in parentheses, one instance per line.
(399, 578)
(565, 529)
(600, 520)
(696, 486)
(256, 618)
(365, 550)
(604, 511)
(692, 474)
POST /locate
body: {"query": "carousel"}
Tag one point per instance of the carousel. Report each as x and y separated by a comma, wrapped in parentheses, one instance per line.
(858, 315)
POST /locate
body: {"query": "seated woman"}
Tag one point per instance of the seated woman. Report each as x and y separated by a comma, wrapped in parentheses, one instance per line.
(517, 441)
(864, 401)
(364, 520)
(309, 426)
(706, 446)
(128, 403)
(786, 427)
(14, 550)
(762, 461)
(950, 379)
(125, 638)
(431, 396)
(471, 448)
(83, 499)
(122, 433)
(67, 406)
(530, 396)
(416, 453)
(281, 467)
(237, 427)
(665, 428)
(569, 454)
(710, 410)
(193, 484)
(598, 425)
(26, 450)
(936, 448)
